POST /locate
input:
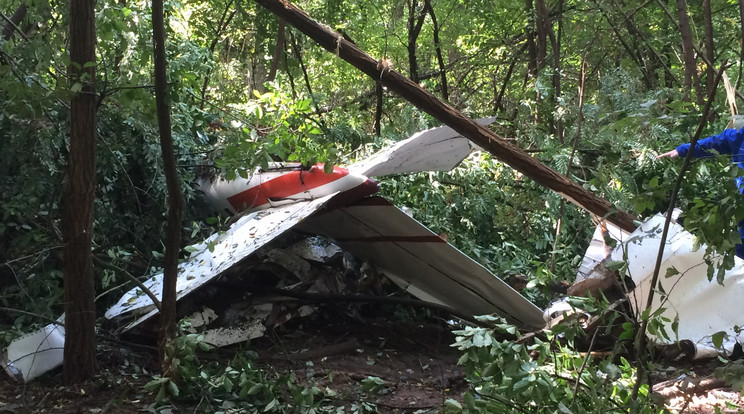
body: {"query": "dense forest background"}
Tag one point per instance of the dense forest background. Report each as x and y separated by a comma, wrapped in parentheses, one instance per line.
(593, 89)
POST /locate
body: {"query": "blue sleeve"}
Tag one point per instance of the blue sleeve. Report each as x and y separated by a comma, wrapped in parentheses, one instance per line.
(727, 142)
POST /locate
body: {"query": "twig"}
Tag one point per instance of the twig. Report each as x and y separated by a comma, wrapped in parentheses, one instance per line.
(583, 365)
(36, 315)
(133, 278)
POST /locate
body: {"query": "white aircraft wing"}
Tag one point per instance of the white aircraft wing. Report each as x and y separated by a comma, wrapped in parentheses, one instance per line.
(419, 261)
(435, 149)
(244, 237)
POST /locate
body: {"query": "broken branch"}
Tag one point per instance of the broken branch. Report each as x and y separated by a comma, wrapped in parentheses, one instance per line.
(426, 101)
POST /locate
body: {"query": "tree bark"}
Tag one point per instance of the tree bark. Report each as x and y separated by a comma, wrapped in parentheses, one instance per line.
(278, 49)
(438, 47)
(710, 72)
(555, 41)
(175, 198)
(741, 52)
(529, 34)
(15, 20)
(224, 22)
(80, 313)
(532, 49)
(688, 54)
(378, 108)
(305, 76)
(429, 103)
(415, 22)
(498, 102)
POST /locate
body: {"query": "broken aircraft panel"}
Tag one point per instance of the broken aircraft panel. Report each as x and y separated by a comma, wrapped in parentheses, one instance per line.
(374, 230)
(419, 261)
(701, 308)
(217, 254)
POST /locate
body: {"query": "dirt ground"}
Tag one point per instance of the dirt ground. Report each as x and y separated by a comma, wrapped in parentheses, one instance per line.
(414, 361)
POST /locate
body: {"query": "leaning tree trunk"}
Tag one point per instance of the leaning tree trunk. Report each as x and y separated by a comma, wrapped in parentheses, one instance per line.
(10, 26)
(80, 312)
(429, 103)
(175, 198)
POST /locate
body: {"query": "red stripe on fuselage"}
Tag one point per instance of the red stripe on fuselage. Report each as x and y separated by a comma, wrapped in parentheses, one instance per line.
(286, 185)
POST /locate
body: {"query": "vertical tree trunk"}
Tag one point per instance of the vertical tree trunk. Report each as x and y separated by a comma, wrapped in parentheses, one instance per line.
(278, 49)
(555, 41)
(415, 22)
(741, 52)
(532, 49)
(80, 314)
(543, 26)
(224, 22)
(305, 76)
(529, 34)
(378, 108)
(175, 198)
(688, 53)
(438, 46)
(710, 72)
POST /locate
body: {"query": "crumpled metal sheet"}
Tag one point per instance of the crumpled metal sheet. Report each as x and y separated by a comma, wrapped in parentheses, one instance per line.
(243, 238)
(701, 308)
(435, 149)
(419, 261)
(33, 354)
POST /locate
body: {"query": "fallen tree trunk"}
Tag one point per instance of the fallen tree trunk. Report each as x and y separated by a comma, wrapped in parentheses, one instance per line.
(382, 71)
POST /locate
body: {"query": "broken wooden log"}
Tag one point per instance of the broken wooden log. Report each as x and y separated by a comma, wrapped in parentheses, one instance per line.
(382, 70)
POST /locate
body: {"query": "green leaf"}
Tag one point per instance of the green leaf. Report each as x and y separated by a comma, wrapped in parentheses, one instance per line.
(653, 183)
(615, 264)
(469, 400)
(173, 388)
(717, 339)
(270, 406)
(671, 271)
(452, 404)
(255, 389)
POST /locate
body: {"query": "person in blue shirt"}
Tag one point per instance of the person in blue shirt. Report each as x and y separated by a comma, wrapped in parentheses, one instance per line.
(728, 142)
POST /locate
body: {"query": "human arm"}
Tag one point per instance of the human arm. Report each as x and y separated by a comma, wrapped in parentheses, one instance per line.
(728, 142)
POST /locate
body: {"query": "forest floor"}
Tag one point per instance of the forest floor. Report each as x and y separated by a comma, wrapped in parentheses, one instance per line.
(414, 361)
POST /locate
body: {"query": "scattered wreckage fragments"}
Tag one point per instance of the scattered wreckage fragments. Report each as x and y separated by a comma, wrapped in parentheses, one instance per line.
(700, 310)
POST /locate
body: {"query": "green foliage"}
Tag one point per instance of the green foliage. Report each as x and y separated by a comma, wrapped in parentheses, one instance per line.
(200, 380)
(276, 128)
(547, 376)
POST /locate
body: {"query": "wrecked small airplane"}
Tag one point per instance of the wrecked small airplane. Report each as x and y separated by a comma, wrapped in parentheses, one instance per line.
(338, 206)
